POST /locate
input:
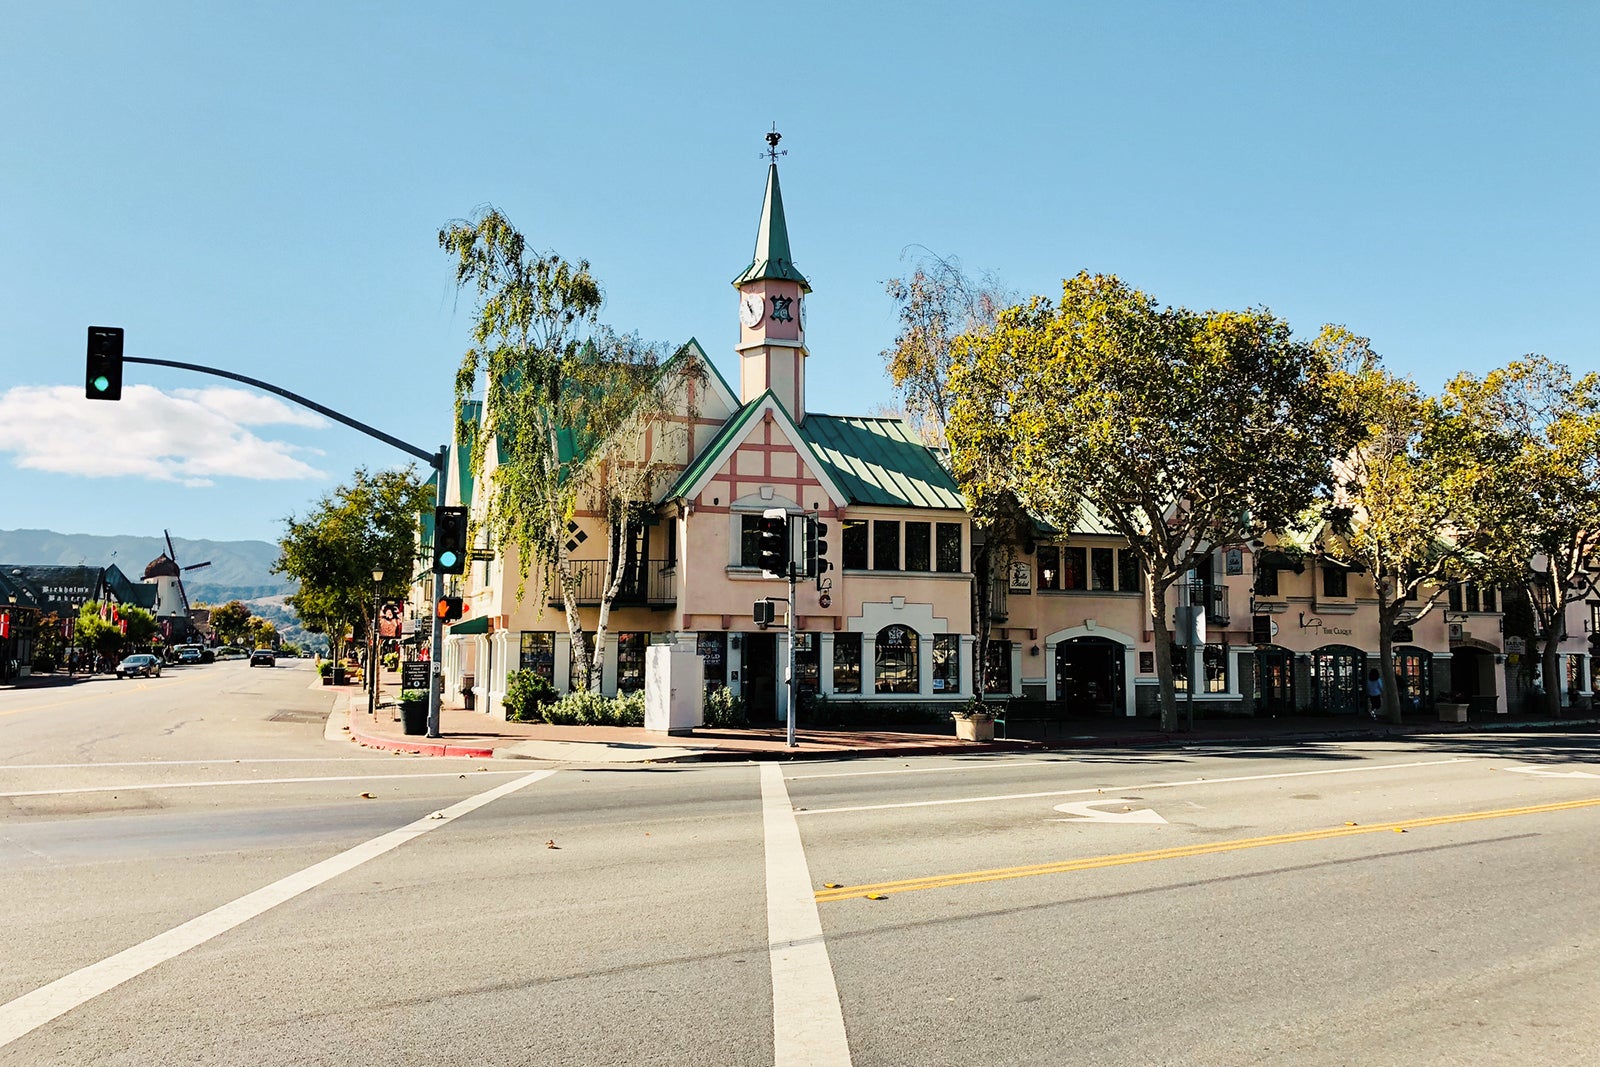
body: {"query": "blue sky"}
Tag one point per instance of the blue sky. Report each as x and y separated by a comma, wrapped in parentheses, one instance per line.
(259, 187)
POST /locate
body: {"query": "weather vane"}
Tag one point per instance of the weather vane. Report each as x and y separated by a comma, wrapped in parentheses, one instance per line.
(772, 144)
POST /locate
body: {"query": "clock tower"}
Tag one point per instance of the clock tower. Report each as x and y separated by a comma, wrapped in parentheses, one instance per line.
(772, 294)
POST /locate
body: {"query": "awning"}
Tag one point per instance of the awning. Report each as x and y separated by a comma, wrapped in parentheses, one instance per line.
(480, 625)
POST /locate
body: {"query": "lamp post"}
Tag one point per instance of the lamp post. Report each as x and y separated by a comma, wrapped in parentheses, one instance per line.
(373, 666)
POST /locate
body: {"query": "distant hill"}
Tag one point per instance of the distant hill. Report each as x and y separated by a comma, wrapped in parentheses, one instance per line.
(239, 570)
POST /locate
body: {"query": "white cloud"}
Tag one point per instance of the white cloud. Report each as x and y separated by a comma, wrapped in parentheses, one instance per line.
(190, 436)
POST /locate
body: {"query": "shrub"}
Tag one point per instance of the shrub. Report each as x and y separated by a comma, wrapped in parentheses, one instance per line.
(43, 663)
(391, 661)
(413, 696)
(583, 708)
(527, 697)
(725, 709)
(325, 668)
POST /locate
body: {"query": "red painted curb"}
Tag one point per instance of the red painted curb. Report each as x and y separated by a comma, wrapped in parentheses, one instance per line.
(418, 748)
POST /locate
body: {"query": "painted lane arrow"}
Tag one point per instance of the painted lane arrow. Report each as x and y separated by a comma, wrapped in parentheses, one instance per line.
(1086, 811)
(1552, 774)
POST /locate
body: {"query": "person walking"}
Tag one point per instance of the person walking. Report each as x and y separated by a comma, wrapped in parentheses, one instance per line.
(1374, 692)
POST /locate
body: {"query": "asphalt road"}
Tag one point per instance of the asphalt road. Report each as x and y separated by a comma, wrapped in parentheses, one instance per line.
(194, 875)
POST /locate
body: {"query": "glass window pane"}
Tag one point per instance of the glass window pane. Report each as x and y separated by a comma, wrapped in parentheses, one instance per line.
(997, 678)
(847, 663)
(538, 654)
(853, 544)
(949, 547)
(807, 662)
(885, 545)
(1100, 569)
(1335, 582)
(1049, 557)
(947, 663)
(895, 665)
(1074, 568)
(713, 649)
(919, 546)
(1128, 571)
(630, 661)
(1216, 667)
(749, 541)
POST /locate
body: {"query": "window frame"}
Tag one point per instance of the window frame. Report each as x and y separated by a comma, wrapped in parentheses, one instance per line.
(946, 661)
(897, 671)
(847, 659)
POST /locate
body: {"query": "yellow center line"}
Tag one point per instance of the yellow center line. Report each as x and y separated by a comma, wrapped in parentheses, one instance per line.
(1090, 863)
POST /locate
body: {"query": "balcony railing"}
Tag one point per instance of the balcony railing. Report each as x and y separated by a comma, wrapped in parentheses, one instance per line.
(654, 584)
(1214, 598)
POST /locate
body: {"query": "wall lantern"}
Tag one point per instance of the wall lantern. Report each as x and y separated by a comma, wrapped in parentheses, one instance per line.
(1034, 651)
(733, 642)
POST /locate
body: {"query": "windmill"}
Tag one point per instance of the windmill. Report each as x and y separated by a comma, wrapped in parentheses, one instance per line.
(165, 569)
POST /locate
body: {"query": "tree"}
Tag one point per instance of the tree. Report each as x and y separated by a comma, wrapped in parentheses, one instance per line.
(1187, 432)
(262, 633)
(1531, 434)
(367, 524)
(582, 419)
(937, 303)
(230, 621)
(1399, 509)
(134, 626)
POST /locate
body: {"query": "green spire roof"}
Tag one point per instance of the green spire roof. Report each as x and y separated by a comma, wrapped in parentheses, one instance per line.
(772, 258)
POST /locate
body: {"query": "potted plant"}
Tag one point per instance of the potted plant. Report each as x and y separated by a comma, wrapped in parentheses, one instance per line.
(974, 721)
(325, 668)
(414, 710)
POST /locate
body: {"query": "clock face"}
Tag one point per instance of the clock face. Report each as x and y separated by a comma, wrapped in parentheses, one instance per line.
(750, 308)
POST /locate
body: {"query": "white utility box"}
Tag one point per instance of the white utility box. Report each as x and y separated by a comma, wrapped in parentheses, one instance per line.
(674, 689)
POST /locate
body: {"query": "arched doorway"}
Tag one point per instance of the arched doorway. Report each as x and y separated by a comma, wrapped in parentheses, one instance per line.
(1089, 676)
(1338, 680)
(1413, 668)
(1274, 680)
(1472, 677)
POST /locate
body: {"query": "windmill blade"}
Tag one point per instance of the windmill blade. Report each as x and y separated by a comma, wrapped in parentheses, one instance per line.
(195, 566)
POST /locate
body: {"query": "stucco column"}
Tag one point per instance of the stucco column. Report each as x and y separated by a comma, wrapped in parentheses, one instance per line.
(869, 664)
(1016, 668)
(965, 666)
(825, 663)
(782, 645)
(562, 669)
(925, 665)
(1050, 671)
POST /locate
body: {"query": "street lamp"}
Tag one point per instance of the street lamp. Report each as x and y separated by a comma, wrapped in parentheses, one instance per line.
(372, 657)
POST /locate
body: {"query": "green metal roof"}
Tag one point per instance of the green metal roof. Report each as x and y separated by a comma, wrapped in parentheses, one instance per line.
(878, 461)
(480, 625)
(772, 258)
(471, 411)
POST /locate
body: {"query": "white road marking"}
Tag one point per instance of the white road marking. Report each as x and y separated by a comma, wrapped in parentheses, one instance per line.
(807, 1022)
(32, 1010)
(1087, 811)
(933, 770)
(1144, 785)
(241, 781)
(1542, 773)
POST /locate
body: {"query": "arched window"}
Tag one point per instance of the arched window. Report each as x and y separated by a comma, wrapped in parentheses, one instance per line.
(895, 660)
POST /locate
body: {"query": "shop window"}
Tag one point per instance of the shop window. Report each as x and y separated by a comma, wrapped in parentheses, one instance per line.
(538, 654)
(947, 663)
(853, 544)
(1180, 668)
(885, 545)
(1267, 581)
(847, 663)
(1074, 568)
(1455, 598)
(630, 661)
(894, 668)
(1470, 596)
(1128, 577)
(807, 662)
(1216, 668)
(1049, 559)
(919, 546)
(1574, 675)
(1335, 582)
(1489, 598)
(713, 649)
(948, 547)
(997, 678)
(1102, 573)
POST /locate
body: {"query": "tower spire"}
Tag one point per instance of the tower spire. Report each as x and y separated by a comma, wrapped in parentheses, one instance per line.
(772, 258)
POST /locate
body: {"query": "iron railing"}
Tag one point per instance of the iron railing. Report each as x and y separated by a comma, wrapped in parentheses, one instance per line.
(653, 584)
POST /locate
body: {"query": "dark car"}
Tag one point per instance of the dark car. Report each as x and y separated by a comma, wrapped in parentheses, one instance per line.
(189, 654)
(140, 665)
(263, 657)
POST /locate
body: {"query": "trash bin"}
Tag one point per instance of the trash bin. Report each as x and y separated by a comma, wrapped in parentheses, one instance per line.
(414, 716)
(469, 699)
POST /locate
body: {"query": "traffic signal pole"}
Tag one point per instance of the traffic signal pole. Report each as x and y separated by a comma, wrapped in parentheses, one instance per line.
(437, 460)
(794, 683)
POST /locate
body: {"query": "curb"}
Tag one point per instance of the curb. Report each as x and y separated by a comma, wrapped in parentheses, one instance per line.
(416, 748)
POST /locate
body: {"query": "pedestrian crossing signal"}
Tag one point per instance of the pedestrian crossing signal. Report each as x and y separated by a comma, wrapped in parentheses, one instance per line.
(449, 608)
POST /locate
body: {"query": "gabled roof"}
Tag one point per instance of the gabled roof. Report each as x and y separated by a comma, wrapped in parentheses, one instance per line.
(879, 462)
(772, 258)
(727, 441)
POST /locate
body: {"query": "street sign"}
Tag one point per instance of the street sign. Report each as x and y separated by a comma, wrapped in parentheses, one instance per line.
(414, 674)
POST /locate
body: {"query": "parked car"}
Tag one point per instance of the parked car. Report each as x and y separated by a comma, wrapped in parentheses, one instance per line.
(140, 665)
(189, 654)
(263, 657)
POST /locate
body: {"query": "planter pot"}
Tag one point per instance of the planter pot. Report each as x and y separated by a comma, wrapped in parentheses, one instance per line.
(975, 728)
(327, 679)
(414, 716)
(339, 677)
(1452, 712)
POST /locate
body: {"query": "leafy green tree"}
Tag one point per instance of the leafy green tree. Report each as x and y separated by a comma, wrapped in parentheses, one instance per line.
(229, 621)
(108, 638)
(262, 633)
(1400, 507)
(1529, 435)
(367, 524)
(1187, 432)
(568, 406)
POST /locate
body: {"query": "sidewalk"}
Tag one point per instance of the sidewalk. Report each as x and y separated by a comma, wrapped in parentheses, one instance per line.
(477, 734)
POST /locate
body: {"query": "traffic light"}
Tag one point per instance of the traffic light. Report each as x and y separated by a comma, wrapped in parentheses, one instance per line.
(816, 548)
(762, 610)
(102, 379)
(773, 542)
(450, 540)
(449, 608)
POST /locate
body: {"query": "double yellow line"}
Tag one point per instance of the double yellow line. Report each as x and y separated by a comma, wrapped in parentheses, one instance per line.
(1000, 874)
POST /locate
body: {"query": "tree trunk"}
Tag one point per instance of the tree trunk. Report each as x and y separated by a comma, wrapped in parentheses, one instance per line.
(1550, 666)
(1388, 612)
(1163, 641)
(982, 592)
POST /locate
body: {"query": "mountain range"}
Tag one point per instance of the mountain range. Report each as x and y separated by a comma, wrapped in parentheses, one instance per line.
(239, 570)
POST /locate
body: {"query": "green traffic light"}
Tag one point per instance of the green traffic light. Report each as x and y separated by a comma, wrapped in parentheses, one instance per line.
(101, 384)
(447, 559)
